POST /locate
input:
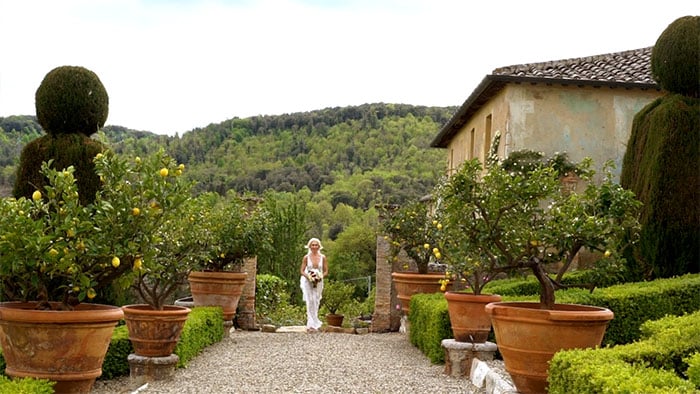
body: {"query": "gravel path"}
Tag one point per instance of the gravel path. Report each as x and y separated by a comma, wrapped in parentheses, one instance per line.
(257, 362)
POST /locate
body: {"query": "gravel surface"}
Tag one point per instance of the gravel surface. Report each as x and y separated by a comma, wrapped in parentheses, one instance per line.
(257, 362)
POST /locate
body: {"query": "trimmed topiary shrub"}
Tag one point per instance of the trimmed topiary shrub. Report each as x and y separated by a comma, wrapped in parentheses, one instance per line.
(71, 100)
(71, 105)
(674, 59)
(663, 155)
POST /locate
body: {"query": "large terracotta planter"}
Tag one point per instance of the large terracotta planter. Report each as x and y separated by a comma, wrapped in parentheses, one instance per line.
(468, 317)
(67, 347)
(528, 337)
(154, 333)
(217, 289)
(409, 283)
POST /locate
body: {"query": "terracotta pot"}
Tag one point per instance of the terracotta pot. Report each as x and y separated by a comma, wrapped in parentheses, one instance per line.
(67, 347)
(528, 337)
(409, 283)
(469, 320)
(217, 289)
(334, 319)
(154, 333)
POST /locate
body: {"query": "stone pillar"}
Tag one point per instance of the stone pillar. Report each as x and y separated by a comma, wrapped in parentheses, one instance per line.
(386, 317)
(148, 369)
(460, 355)
(245, 317)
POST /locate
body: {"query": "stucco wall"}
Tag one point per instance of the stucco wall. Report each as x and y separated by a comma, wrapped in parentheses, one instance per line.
(582, 121)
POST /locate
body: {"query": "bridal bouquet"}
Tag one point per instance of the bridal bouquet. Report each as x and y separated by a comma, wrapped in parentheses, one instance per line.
(315, 276)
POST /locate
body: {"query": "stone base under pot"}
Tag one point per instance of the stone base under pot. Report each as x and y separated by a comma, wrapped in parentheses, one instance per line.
(149, 369)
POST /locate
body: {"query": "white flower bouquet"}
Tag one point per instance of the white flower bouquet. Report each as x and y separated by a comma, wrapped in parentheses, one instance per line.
(315, 276)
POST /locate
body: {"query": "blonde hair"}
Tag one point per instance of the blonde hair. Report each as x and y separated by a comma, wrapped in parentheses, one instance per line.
(308, 244)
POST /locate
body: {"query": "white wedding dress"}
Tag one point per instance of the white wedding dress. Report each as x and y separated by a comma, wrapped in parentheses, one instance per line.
(312, 295)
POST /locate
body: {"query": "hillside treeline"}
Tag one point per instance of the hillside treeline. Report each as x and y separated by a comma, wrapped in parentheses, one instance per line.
(355, 155)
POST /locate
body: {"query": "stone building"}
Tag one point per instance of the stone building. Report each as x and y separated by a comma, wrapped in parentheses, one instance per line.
(582, 106)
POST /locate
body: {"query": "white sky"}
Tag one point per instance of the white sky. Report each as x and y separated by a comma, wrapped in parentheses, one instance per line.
(171, 66)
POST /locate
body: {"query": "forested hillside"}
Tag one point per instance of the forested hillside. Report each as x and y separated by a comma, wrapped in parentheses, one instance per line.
(353, 155)
(320, 172)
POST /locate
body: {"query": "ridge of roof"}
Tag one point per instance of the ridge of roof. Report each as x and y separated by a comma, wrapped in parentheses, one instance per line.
(627, 66)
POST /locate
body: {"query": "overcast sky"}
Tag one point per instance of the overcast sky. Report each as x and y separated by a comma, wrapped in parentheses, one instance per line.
(173, 65)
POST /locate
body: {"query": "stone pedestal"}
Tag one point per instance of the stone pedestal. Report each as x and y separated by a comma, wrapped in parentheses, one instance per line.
(149, 369)
(459, 355)
(228, 327)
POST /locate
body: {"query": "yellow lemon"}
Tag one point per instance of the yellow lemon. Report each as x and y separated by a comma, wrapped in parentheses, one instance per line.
(436, 250)
(534, 242)
(607, 253)
(438, 255)
(115, 261)
(137, 160)
(181, 167)
(98, 156)
(426, 246)
(163, 172)
(439, 226)
(36, 196)
(135, 211)
(91, 293)
(138, 263)
(76, 289)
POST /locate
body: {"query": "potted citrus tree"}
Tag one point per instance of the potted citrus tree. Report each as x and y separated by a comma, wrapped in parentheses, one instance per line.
(519, 217)
(64, 239)
(233, 232)
(464, 199)
(412, 230)
(335, 295)
(160, 197)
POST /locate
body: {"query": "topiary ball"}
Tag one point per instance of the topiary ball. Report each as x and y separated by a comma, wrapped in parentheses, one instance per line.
(674, 59)
(71, 100)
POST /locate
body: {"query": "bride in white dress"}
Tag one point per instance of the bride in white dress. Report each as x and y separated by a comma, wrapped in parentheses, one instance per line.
(314, 267)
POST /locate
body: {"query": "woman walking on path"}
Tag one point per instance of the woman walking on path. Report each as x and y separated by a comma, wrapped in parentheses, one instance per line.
(314, 267)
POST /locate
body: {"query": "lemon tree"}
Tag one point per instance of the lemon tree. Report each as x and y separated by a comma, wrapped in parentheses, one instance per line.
(505, 220)
(53, 248)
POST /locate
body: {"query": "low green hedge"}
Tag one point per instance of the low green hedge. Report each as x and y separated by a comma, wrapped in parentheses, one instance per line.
(528, 285)
(694, 369)
(632, 303)
(25, 386)
(430, 324)
(204, 327)
(654, 364)
(115, 363)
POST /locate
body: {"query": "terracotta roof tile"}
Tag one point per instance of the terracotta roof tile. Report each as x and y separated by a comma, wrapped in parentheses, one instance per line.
(632, 66)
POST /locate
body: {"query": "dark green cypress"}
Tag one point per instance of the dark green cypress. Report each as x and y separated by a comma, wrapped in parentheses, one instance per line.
(662, 162)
